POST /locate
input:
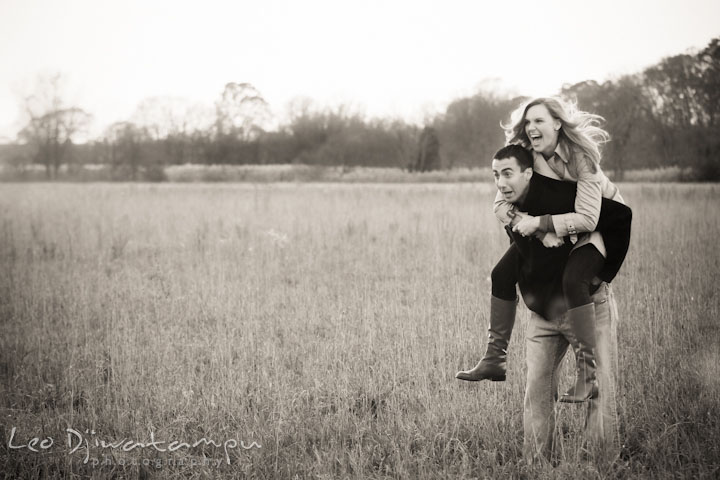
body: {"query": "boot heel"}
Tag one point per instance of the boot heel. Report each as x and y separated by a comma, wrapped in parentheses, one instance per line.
(570, 397)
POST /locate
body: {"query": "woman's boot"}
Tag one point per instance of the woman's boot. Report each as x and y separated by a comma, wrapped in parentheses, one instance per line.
(582, 323)
(493, 365)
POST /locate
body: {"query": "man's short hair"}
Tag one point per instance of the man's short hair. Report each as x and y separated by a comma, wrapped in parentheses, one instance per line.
(523, 157)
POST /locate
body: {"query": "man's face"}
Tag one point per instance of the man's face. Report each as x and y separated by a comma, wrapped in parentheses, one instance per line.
(510, 179)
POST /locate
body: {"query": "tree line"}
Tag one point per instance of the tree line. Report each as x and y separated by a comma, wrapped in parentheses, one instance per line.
(665, 115)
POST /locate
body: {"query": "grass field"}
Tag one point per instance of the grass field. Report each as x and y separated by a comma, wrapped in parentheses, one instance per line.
(325, 323)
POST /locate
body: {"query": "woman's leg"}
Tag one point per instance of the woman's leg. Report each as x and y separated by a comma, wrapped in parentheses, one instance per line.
(583, 265)
(503, 303)
(505, 275)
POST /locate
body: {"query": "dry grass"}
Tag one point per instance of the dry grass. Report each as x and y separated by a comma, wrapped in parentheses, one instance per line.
(319, 173)
(197, 173)
(326, 322)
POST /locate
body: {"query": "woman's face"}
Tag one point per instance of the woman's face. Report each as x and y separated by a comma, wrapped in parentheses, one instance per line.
(542, 129)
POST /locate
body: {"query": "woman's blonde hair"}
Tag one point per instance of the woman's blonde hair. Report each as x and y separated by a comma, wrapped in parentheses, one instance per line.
(579, 130)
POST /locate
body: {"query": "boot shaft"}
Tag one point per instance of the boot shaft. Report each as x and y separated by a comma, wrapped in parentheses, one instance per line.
(502, 321)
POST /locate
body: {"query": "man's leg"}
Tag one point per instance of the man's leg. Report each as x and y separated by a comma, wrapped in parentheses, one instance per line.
(602, 421)
(545, 349)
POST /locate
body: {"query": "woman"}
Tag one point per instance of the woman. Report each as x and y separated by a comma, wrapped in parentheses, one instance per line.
(565, 144)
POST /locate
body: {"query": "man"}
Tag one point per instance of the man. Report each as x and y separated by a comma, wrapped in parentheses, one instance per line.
(549, 334)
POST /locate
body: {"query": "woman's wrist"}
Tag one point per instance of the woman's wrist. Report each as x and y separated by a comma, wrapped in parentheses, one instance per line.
(546, 224)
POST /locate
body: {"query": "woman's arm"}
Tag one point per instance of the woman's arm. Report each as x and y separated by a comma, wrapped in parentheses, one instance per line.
(588, 201)
(610, 190)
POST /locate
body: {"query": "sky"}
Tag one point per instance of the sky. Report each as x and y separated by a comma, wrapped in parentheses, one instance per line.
(401, 58)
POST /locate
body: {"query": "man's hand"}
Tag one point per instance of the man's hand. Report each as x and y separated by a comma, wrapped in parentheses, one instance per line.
(550, 240)
(527, 226)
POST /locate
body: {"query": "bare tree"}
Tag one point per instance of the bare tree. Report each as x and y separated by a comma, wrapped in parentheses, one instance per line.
(176, 129)
(164, 116)
(428, 157)
(469, 131)
(406, 142)
(51, 125)
(683, 90)
(123, 140)
(242, 112)
(626, 110)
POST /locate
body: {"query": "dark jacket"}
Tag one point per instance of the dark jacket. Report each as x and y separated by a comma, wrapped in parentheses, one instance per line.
(540, 268)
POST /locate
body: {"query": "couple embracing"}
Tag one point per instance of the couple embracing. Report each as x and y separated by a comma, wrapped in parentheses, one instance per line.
(570, 232)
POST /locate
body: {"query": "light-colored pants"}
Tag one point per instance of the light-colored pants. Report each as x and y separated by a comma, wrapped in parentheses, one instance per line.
(547, 342)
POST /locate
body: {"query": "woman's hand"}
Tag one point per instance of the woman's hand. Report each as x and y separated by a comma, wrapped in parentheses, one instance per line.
(527, 226)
